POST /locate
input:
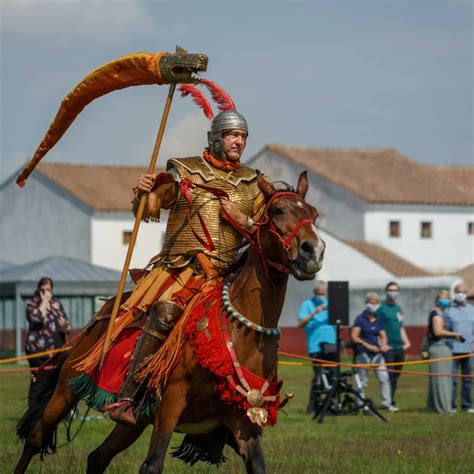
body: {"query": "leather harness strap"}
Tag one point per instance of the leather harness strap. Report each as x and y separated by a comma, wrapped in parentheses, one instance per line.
(244, 388)
(156, 334)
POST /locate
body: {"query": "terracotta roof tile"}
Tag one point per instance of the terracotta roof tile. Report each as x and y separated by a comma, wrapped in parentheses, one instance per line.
(387, 259)
(386, 176)
(104, 188)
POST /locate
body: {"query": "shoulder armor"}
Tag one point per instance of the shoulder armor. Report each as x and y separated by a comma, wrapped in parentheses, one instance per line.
(197, 165)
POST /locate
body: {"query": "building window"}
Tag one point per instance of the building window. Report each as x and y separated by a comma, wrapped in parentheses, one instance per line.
(470, 228)
(426, 230)
(394, 228)
(126, 237)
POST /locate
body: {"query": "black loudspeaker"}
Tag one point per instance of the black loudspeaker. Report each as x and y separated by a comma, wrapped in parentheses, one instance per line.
(338, 302)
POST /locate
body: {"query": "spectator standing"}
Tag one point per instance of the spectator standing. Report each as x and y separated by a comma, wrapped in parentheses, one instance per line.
(313, 316)
(391, 315)
(440, 389)
(371, 343)
(47, 328)
(460, 317)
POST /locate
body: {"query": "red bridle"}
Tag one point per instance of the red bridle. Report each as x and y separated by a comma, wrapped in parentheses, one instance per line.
(286, 242)
(185, 188)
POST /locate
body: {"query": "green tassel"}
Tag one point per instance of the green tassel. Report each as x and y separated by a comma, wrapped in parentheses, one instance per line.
(97, 398)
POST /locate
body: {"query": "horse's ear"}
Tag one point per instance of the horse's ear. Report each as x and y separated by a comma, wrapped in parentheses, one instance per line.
(302, 187)
(265, 186)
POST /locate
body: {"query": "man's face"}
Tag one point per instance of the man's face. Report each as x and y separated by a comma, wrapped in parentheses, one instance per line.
(393, 288)
(234, 143)
(320, 291)
(460, 288)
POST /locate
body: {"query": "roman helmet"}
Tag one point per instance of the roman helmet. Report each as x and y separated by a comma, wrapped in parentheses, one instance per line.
(226, 120)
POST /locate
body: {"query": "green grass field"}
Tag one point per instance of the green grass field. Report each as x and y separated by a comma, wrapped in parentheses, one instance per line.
(412, 442)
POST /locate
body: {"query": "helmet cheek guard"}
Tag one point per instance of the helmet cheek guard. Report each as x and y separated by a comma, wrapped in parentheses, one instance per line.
(216, 144)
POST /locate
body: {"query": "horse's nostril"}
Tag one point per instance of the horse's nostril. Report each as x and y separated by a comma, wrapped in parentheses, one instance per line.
(307, 248)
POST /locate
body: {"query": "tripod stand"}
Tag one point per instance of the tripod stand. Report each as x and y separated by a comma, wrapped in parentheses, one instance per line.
(342, 399)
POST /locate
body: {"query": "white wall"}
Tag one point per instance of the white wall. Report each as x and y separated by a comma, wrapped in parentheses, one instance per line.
(450, 246)
(107, 245)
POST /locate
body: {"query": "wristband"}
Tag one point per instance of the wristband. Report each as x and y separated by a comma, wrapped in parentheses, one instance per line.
(248, 225)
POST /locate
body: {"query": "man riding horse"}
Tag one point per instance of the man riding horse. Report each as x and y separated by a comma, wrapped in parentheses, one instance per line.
(204, 194)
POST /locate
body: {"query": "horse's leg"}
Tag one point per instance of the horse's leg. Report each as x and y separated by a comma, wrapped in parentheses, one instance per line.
(58, 407)
(171, 408)
(118, 440)
(247, 444)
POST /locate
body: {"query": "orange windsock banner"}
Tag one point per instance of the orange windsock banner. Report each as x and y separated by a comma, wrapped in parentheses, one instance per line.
(133, 70)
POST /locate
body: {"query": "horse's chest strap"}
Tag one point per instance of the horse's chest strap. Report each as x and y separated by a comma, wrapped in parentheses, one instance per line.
(255, 397)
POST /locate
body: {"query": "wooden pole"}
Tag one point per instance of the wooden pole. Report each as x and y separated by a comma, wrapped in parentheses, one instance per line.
(138, 218)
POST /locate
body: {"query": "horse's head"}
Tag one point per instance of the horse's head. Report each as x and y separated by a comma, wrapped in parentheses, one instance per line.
(292, 223)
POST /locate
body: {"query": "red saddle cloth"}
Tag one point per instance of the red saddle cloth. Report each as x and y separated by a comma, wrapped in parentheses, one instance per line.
(117, 362)
(209, 347)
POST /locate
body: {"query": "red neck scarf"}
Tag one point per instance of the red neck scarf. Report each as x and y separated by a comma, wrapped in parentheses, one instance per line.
(221, 165)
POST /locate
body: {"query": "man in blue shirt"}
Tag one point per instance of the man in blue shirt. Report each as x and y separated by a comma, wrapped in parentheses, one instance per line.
(460, 317)
(313, 316)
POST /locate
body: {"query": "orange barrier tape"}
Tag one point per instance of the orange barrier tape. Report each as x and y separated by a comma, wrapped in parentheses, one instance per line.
(429, 374)
(387, 364)
(369, 366)
(34, 356)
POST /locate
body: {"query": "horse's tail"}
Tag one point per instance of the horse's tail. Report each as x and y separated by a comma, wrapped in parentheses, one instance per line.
(47, 381)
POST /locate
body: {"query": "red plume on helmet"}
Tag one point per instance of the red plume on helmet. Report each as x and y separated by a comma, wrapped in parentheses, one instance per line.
(219, 95)
(198, 98)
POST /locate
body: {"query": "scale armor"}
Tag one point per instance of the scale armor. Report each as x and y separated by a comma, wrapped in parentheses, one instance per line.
(242, 188)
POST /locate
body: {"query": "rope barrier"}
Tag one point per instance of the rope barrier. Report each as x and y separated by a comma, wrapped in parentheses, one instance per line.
(319, 363)
(35, 355)
(368, 367)
(387, 364)
(324, 363)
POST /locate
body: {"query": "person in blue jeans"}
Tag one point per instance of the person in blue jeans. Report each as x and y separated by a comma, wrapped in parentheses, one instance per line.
(313, 316)
(460, 319)
(370, 341)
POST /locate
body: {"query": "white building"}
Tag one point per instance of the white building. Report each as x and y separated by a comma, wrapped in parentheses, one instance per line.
(76, 211)
(377, 197)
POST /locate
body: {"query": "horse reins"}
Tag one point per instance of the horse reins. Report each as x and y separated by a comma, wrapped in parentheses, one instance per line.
(185, 187)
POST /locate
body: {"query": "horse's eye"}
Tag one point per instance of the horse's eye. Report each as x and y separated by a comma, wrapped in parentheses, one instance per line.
(275, 211)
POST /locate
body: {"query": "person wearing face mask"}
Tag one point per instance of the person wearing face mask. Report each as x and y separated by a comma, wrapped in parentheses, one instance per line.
(439, 335)
(370, 341)
(47, 328)
(313, 316)
(461, 318)
(392, 317)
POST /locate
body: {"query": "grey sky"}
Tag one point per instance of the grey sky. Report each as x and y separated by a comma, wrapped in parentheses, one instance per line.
(359, 74)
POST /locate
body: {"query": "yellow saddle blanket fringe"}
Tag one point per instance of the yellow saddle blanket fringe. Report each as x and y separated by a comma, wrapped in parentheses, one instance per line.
(156, 285)
(159, 366)
(152, 286)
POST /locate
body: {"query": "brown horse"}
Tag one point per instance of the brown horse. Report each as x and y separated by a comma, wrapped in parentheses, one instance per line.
(289, 240)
